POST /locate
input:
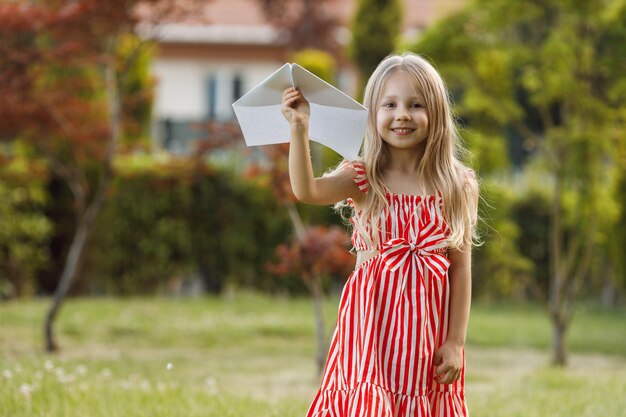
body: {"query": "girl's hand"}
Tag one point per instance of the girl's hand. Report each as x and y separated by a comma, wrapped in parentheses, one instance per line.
(295, 107)
(448, 362)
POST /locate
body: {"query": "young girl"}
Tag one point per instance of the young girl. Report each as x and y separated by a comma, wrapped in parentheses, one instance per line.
(397, 349)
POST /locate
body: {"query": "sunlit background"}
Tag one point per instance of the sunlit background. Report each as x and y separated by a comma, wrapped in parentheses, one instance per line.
(153, 265)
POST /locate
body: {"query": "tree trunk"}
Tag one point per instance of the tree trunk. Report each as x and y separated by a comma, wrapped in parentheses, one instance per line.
(315, 286)
(15, 280)
(87, 218)
(569, 264)
(296, 220)
(560, 326)
(557, 281)
(70, 269)
(609, 293)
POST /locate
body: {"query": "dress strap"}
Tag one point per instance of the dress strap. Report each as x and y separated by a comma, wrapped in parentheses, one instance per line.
(361, 177)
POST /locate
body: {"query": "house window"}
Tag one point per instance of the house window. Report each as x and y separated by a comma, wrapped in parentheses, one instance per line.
(211, 91)
(237, 87)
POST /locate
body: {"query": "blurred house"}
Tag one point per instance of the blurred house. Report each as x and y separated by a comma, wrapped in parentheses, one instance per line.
(207, 61)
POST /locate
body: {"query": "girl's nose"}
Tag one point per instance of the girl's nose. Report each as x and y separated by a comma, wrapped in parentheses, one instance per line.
(403, 114)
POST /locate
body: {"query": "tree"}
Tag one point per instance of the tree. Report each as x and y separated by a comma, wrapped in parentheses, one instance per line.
(547, 72)
(319, 252)
(60, 83)
(375, 30)
(306, 23)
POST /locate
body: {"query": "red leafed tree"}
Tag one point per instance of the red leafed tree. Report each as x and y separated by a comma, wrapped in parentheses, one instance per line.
(60, 78)
(306, 23)
(320, 252)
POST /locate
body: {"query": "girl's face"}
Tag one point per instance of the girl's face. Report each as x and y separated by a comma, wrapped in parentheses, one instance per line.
(401, 118)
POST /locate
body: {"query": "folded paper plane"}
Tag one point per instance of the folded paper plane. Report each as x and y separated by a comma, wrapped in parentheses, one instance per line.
(336, 120)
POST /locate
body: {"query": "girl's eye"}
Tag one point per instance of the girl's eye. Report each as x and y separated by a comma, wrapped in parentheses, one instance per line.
(416, 105)
(389, 105)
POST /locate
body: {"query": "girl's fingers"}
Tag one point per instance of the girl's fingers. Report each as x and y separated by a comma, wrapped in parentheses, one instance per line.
(290, 102)
(446, 378)
(296, 98)
(446, 374)
(294, 101)
(294, 105)
(441, 369)
(291, 98)
(290, 92)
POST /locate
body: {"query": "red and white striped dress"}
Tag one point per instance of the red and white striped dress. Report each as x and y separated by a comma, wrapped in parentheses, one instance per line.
(392, 318)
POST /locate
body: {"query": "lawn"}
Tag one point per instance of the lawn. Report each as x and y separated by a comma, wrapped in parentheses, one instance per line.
(251, 355)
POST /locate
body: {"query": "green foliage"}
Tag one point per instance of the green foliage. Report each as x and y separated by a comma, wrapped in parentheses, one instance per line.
(495, 275)
(136, 87)
(234, 227)
(24, 228)
(375, 30)
(140, 242)
(617, 240)
(489, 153)
(319, 62)
(531, 212)
(170, 219)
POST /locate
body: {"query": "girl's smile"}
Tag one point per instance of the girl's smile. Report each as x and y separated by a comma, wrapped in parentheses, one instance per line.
(403, 131)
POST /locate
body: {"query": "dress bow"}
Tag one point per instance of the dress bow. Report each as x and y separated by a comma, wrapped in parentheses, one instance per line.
(398, 252)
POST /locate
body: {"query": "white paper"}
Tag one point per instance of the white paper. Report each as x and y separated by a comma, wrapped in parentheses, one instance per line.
(336, 120)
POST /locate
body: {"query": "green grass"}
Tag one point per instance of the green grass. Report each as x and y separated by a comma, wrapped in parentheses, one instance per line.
(249, 355)
(527, 326)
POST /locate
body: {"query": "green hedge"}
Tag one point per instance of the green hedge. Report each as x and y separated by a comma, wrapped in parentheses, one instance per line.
(165, 225)
(25, 229)
(169, 223)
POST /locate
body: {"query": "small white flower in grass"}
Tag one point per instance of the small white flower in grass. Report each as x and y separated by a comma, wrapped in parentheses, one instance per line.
(169, 366)
(48, 365)
(106, 373)
(145, 385)
(66, 379)
(81, 370)
(211, 385)
(26, 390)
(62, 377)
(7, 374)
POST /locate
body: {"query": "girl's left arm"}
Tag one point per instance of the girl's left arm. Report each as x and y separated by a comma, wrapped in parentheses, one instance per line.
(449, 357)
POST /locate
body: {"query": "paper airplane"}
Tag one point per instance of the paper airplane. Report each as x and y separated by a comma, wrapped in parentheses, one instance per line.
(336, 120)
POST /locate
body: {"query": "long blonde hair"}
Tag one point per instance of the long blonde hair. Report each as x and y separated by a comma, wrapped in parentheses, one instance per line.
(440, 167)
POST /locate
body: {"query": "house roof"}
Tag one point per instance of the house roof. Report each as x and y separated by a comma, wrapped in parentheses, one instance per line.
(244, 21)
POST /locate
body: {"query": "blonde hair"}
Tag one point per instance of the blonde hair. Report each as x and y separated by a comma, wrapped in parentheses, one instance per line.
(440, 168)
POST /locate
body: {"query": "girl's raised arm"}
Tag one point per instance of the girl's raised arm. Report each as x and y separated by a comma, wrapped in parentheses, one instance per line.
(323, 190)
